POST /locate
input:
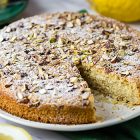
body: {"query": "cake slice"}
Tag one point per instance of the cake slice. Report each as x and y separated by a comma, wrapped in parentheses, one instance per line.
(55, 93)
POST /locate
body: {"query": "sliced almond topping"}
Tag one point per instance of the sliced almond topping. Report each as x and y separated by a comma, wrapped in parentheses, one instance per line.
(8, 30)
(85, 95)
(114, 59)
(60, 41)
(70, 24)
(73, 79)
(13, 39)
(20, 96)
(78, 22)
(87, 89)
(24, 87)
(1, 38)
(61, 23)
(89, 42)
(84, 84)
(42, 91)
(126, 73)
(105, 56)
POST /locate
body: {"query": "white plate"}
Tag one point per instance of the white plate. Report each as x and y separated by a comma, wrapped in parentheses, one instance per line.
(112, 114)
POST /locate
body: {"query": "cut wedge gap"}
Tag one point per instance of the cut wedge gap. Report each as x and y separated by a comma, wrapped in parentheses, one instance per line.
(118, 88)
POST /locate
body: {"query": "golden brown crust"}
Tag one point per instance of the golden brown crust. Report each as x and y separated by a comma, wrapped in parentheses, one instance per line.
(47, 113)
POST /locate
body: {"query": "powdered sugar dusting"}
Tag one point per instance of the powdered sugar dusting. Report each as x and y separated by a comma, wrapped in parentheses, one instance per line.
(39, 56)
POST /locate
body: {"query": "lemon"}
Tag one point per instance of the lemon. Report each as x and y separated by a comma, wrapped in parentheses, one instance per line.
(9, 132)
(3, 3)
(123, 10)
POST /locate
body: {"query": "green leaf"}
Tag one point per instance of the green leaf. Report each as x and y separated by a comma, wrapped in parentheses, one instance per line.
(83, 11)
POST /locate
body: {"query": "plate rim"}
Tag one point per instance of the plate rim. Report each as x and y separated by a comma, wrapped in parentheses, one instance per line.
(64, 127)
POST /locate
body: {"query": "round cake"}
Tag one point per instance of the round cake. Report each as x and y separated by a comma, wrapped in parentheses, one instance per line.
(50, 63)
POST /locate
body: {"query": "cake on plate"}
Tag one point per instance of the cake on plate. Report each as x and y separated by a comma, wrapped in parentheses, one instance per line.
(51, 64)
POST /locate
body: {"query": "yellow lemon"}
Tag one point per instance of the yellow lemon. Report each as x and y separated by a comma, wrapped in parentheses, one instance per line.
(3, 3)
(123, 10)
(9, 132)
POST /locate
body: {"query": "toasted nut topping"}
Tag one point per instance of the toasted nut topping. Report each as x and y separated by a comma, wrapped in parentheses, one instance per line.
(87, 89)
(70, 24)
(85, 95)
(42, 91)
(20, 96)
(52, 40)
(90, 42)
(126, 73)
(24, 87)
(73, 79)
(1, 38)
(78, 22)
(84, 84)
(8, 30)
(114, 59)
(42, 56)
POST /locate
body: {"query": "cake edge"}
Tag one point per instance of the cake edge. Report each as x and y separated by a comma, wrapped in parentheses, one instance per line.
(47, 113)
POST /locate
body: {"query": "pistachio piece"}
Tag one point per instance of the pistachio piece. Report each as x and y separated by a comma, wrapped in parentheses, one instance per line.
(73, 79)
(75, 60)
(52, 40)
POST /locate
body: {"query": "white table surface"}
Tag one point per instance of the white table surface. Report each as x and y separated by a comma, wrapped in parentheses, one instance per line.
(40, 6)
